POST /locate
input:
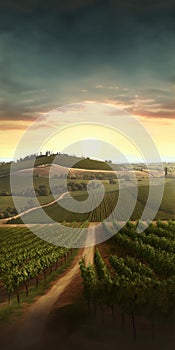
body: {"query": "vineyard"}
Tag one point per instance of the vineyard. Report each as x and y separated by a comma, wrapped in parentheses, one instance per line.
(129, 288)
(59, 214)
(25, 259)
(137, 279)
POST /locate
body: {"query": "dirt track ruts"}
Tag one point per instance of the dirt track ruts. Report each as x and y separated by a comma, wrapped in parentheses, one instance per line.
(29, 333)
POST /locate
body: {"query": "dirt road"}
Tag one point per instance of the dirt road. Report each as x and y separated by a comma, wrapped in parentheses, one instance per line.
(31, 328)
(3, 221)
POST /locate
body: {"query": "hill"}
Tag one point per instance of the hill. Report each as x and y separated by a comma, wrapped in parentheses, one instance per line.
(61, 159)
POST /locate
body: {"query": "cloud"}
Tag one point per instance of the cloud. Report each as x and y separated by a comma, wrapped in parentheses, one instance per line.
(13, 126)
(112, 48)
(155, 91)
(71, 108)
(99, 86)
(143, 106)
(155, 114)
(111, 87)
(20, 112)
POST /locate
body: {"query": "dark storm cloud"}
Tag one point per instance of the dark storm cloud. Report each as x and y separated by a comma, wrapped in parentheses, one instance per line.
(65, 47)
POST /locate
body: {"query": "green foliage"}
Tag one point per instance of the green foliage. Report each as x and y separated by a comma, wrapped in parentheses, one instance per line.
(24, 256)
(143, 279)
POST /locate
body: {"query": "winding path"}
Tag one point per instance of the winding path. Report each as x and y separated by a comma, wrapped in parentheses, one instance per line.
(3, 221)
(29, 334)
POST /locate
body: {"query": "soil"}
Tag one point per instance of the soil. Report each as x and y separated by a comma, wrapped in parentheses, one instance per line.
(27, 334)
(60, 320)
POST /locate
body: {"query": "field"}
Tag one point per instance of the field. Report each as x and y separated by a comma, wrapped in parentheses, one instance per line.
(57, 213)
(120, 293)
(86, 170)
(21, 201)
(133, 275)
(61, 159)
(124, 297)
(26, 258)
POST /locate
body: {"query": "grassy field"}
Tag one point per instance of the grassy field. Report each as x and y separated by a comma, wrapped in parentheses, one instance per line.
(25, 200)
(22, 182)
(57, 213)
(79, 163)
(7, 201)
(63, 160)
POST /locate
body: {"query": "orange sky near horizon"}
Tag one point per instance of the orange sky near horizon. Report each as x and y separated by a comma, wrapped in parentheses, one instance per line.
(160, 129)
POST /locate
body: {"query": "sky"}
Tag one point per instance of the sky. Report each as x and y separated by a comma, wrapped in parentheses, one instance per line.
(58, 52)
